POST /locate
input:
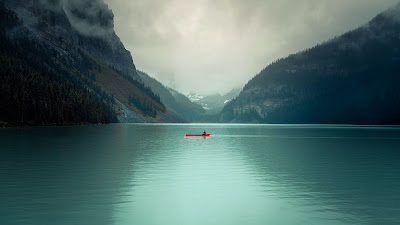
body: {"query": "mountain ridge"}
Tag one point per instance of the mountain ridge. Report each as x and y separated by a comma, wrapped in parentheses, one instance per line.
(174, 101)
(213, 104)
(97, 64)
(349, 79)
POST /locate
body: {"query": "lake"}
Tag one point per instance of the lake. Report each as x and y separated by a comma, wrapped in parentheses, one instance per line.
(150, 174)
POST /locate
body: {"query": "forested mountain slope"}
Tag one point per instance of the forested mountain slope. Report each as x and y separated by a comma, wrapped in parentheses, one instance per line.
(351, 79)
(175, 102)
(62, 63)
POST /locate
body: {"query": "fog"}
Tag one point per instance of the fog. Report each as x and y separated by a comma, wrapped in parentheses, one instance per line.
(88, 17)
(209, 46)
(98, 20)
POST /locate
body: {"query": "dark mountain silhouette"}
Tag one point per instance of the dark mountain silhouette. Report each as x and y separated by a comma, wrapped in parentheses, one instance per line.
(62, 63)
(351, 79)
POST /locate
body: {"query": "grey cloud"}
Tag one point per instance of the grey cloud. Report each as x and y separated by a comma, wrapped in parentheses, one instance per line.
(393, 12)
(214, 45)
(89, 17)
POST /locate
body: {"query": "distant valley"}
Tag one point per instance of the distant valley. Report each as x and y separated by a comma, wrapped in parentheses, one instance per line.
(213, 104)
(190, 107)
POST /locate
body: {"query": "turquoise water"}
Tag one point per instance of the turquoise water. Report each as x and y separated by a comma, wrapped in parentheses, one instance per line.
(242, 174)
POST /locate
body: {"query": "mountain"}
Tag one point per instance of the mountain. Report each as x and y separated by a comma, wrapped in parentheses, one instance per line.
(351, 79)
(175, 102)
(213, 104)
(65, 24)
(62, 63)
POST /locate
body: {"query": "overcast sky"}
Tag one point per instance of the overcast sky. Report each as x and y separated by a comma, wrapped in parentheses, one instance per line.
(208, 46)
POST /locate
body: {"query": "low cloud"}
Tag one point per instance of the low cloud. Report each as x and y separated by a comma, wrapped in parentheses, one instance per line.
(214, 45)
(88, 17)
(394, 12)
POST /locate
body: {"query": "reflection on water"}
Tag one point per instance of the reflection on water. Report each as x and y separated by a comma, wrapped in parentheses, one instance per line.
(242, 174)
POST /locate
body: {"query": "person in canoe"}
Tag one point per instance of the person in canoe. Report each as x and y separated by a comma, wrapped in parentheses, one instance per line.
(204, 132)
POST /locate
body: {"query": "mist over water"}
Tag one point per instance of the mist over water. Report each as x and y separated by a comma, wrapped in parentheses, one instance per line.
(242, 174)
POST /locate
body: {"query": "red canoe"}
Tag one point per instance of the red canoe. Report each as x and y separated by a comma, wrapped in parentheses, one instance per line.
(196, 135)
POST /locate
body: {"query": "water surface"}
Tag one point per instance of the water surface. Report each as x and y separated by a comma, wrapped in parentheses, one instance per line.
(242, 174)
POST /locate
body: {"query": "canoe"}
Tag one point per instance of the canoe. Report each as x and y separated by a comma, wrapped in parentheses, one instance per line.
(197, 135)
